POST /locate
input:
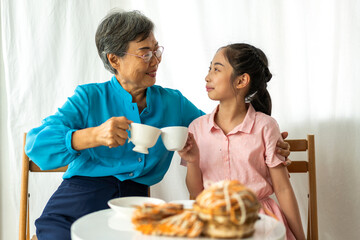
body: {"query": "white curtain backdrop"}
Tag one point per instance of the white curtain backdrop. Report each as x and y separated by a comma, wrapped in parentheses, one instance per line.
(313, 48)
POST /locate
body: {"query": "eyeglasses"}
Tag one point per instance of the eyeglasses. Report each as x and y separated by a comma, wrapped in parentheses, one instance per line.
(147, 56)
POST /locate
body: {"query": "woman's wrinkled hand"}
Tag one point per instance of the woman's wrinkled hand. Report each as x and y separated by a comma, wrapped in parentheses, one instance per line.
(284, 148)
(112, 133)
(190, 152)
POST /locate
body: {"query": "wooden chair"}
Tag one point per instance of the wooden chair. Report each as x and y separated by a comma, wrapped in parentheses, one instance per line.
(307, 145)
(28, 166)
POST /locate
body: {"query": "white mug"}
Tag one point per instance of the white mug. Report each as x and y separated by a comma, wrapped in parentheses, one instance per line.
(174, 138)
(143, 137)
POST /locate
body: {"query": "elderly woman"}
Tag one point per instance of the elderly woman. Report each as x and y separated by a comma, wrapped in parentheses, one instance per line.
(88, 133)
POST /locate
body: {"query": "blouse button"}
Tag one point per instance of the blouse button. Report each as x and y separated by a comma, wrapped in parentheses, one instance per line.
(139, 159)
(131, 174)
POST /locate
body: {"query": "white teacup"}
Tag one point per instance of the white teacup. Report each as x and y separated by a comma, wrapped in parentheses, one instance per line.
(174, 138)
(143, 137)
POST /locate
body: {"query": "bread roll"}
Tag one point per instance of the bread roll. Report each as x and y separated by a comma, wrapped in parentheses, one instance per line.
(228, 210)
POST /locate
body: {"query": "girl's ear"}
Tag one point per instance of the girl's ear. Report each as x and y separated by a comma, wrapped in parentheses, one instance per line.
(242, 81)
(113, 60)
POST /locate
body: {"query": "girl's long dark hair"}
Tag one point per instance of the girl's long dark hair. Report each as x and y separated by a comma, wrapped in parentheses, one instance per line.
(245, 58)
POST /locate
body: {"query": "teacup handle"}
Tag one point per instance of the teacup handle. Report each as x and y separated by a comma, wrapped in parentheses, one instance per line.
(129, 138)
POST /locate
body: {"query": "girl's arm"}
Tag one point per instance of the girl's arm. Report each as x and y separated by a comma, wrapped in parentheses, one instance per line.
(190, 153)
(194, 181)
(286, 197)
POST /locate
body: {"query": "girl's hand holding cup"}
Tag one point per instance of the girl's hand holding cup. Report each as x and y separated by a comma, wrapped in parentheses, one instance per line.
(190, 153)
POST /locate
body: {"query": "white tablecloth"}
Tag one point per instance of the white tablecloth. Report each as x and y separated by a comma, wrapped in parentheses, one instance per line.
(109, 225)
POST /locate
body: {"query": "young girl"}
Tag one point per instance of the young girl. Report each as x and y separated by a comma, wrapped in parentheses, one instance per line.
(238, 139)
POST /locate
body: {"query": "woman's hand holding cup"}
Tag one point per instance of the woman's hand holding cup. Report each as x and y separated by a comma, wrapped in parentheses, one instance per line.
(112, 133)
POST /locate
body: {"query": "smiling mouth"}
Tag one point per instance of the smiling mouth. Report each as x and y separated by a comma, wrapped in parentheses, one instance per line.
(152, 74)
(208, 89)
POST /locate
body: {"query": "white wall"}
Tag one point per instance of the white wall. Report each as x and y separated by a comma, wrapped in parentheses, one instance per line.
(8, 220)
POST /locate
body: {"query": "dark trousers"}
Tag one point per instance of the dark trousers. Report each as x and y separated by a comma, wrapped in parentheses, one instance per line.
(78, 196)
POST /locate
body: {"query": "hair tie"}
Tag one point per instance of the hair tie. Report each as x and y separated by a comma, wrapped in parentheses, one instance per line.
(251, 97)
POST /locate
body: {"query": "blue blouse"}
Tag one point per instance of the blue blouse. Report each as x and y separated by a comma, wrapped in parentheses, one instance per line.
(49, 145)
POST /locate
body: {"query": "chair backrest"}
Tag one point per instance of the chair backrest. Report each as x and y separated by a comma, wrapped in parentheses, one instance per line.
(28, 166)
(308, 166)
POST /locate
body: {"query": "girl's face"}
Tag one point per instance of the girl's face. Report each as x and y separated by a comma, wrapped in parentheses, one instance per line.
(218, 84)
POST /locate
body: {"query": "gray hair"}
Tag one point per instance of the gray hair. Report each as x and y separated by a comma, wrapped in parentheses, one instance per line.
(115, 32)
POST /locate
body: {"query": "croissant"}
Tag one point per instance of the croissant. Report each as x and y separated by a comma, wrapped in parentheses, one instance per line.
(167, 219)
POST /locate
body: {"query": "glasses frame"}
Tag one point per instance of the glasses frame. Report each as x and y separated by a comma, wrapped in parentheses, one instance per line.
(153, 53)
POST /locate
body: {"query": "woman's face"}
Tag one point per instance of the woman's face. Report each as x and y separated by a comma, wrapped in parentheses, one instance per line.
(133, 72)
(218, 83)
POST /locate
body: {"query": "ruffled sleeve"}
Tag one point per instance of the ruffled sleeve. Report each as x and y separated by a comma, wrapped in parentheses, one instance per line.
(49, 145)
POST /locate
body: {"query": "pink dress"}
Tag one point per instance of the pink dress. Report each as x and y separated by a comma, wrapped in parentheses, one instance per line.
(246, 154)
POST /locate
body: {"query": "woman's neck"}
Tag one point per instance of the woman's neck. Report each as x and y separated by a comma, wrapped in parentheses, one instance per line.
(230, 115)
(138, 94)
(140, 99)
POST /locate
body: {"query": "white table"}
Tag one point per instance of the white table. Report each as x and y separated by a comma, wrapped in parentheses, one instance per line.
(109, 225)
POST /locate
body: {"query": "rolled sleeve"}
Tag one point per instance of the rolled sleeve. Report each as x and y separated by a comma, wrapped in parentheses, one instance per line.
(68, 144)
(272, 135)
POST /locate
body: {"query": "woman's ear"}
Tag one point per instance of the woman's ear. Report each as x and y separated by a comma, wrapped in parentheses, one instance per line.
(242, 81)
(113, 60)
